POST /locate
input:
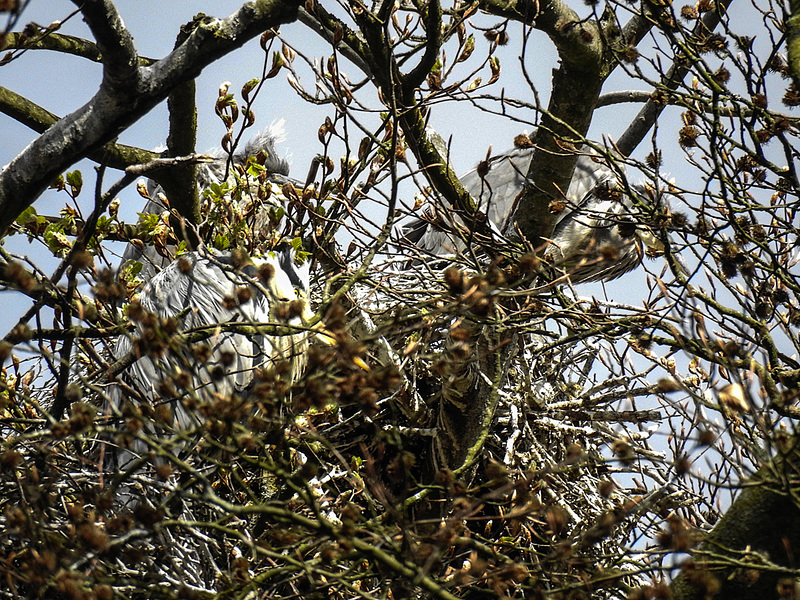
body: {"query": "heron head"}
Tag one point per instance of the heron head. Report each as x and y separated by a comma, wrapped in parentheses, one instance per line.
(607, 233)
(288, 285)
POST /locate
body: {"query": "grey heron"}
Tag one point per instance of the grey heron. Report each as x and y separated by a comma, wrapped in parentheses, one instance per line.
(601, 237)
(184, 399)
(230, 299)
(595, 236)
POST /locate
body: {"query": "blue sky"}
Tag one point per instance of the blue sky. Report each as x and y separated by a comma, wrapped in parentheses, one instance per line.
(63, 83)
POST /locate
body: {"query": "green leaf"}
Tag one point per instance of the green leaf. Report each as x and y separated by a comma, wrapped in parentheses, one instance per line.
(254, 169)
(221, 242)
(103, 223)
(494, 65)
(469, 47)
(216, 191)
(67, 217)
(277, 63)
(300, 255)
(56, 240)
(26, 214)
(276, 214)
(75, 181)
(58, 183)
(249, 87)
(131, 269)
(147, 222)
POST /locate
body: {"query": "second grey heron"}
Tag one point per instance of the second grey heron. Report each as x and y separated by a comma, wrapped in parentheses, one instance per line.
(209, 321)
(221, 170)
(596, 235)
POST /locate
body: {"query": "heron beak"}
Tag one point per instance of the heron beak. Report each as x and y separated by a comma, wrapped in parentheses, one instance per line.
(654, 245)
(324, 335)
(320, 332)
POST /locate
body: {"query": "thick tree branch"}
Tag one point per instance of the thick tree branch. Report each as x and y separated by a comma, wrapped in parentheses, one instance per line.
(181, 185)
(115, 107)
(470, 396)
(118, 52)
(748, 534)
(585, 65)
(44, 39)
(793, 41)
(433, 26)
(24, 111)
(325, 25)
(576, 88)
(399, 92)
(563, 26)
(30, 114)
(621, 97)
(59, 42)
(637, 27)
(437, 169)
(568, 117)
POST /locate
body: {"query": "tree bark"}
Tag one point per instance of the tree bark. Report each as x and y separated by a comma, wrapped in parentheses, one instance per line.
(756, 544)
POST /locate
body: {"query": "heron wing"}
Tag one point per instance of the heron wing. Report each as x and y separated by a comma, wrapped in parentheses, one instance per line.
(496, 194)
(197, 288)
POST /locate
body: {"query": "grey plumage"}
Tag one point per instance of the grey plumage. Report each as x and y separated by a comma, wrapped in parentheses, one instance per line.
(200, 291)
(600, 238)
(185, 402)
(495, 194)
(585, 233)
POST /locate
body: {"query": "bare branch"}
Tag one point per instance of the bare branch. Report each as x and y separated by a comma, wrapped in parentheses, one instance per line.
(647, 117)
(59, 42)
(118, 53)
(181, 187)
(30, 114)
(325, 24)
(433, 26)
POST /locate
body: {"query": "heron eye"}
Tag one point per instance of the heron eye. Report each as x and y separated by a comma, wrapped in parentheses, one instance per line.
(627, 229)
